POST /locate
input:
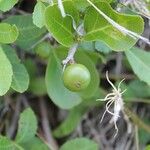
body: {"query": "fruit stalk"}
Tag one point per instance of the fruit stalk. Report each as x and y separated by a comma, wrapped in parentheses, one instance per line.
(70, 57)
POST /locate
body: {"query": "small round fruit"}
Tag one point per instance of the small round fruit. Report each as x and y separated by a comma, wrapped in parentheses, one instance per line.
(76, 77)
(43, 49)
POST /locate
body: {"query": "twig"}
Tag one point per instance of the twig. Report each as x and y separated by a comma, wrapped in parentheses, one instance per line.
(79, 130)
(25, 101)
(70, 57)
(137, 120)
(4, 110)
(13, 125)
(48, 35)
(129, 140)
(136, 138)
(43, 139)
(115, 77)
(118, 64)
(93, 130)
(46, 127)
(137, 100)
(128, 122)
(20, 11)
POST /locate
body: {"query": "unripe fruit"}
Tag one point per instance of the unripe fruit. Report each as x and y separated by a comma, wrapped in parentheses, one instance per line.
(43, 49)
(76, 77)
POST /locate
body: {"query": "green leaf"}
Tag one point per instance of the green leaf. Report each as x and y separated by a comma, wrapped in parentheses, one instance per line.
(35, 144)
(61, 96)
(80, 144)
(38, 14)
(75, 115)
(61, 28)
(45, 1)
(88, 46)
(27, 126)
(20, 78)
(36, 89)
(147, 147)
(6, 5)
(138, 89)
(29, 33)
(83, 58)
(5, 73)
(43, 49)
(7, 144)
(140, 63)
(31, 67)
(83, 4)
(8, 33)
(144, 136)
(71, 122)
(98, 28)
(102, 47)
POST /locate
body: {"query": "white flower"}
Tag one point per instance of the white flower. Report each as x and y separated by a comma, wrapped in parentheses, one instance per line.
(114, 98)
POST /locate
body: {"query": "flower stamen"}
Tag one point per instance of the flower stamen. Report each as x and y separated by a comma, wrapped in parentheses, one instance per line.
(114, 98)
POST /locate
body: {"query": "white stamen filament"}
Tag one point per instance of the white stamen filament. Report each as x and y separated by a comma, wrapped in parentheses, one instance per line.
(116, 98)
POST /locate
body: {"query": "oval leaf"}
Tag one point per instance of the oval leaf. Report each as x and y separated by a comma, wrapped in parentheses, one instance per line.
(35, 144)
(35, 88)
(98, 28)
(136, 88)
(75, 115)
(147, 147)
(71, 122)
(8, 33)
(101, 47)
(5, 73)
(7, 144)
(29, 33)
(20, 78)
(38, 14)
(27, 126)
(80, 144)
(140, 63)
(61, 28)
(61, 96)
(82, 4)
(5, 5)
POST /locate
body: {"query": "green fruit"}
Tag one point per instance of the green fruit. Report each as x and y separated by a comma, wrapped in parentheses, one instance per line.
(43, 49)
(76, 77)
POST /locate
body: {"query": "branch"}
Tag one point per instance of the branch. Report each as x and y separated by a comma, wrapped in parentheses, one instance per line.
(137, 120)
(70, 57)
(48, 35)
(15, 117)
(137, 138)
(46, 127)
